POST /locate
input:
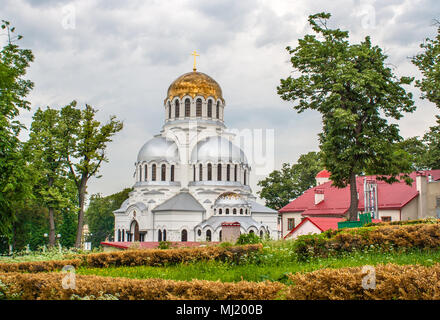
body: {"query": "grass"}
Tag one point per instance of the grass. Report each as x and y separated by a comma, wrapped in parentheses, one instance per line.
(270, 267)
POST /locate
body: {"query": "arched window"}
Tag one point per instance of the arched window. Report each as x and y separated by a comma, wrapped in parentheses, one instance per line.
(245, 177)
(235, 172)
(119, 235)
(194, 172)
(172, 173)
(177, 109)
(219, 211)
(220, 236)
(159, 235)
(199, 232)
(146, 172)
(261, 233)
(241, 211)
(140, 173)
(217, 110)
(169, 110)
(187, 108)
(164, 235)
(219, 172)
(208, 235)
(153, 172)
(246, 211)
(163, 172)
(209, 172)
(184, 236)
(252, 231)
(198, 107)
(123, 235)
(234, 211)
(228, 172)
(200, 172)
(227, 211)
(209, 108)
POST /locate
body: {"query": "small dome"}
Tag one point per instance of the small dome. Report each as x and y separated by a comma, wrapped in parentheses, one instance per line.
(195, 84)
(216, 149)
(230, 199)
(157, 149)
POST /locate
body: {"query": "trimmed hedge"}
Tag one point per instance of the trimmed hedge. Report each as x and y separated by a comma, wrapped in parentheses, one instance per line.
(48, 286)
(147, 257)
(384, 238)
(410, 282)
(158, 257)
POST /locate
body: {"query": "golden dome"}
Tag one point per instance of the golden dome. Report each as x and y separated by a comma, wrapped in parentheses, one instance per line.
(195, 84)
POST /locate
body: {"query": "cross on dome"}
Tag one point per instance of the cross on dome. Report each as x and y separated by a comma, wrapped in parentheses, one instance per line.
(195, 55)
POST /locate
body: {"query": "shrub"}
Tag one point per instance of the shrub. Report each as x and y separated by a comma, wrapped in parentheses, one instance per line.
(164, 245)
(384, 238)
(39, 266)
(249, 238)
(48, 286)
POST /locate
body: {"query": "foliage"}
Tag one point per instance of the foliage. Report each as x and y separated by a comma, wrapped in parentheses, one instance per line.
(350, 85)
(418, 152)
(428, 61)
(99, 215)
(282, 186)
(85, 145)
(383, 238)
(164, 245)
(248, 238)
(14, 177)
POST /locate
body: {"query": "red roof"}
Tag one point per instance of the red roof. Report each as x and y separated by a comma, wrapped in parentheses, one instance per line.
(150, 245)
(323, 174)
(337, 201)
(322, 224)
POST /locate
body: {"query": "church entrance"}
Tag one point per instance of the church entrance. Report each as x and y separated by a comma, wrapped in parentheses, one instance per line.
(134, 230)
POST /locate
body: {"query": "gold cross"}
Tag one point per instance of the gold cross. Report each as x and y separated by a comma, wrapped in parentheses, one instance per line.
(195, 55)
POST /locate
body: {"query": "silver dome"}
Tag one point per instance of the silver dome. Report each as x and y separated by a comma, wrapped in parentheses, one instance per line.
(230, 199)
(217, 149)
(158, 149)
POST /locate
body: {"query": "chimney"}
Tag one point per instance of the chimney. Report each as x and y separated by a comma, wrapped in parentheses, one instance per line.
(422, 185)
(319, 195)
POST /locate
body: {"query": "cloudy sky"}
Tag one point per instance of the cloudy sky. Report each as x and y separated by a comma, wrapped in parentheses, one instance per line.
(121, 56)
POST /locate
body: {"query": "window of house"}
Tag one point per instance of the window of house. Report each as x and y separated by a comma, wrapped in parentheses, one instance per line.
(177, 109)
(187, 108)
(163, 172)
(208, 235)
(209, 172)
(209, 108)
(217, 110)
(290, 224)
(172, 173)
(200, 172)
(169, 110)
(146, 173)
(228, 172)
(140, 173)
(199, 107)
(219, 172)
(153, 172)
(386, 219)
(184, 236)
(235, 172)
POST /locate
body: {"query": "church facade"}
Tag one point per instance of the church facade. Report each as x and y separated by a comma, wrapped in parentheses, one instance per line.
(191, 177)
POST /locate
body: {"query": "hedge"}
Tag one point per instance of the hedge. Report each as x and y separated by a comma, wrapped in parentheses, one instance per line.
(410, 282)
(149, 257)
(384, 238)
(48, 286)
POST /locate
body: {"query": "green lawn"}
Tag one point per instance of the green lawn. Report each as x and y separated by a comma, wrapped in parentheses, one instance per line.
(272, 266)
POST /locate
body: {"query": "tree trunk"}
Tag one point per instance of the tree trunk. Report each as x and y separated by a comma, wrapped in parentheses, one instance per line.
(81, 196)
(353, 210)
(51, 228)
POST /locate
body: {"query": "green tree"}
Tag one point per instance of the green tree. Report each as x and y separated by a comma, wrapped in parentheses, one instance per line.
(428, 61)
(417, 150)
(100, 217)
(355, 93)
(281, 186)
(45, 147)
(85, 145)
(14, 88)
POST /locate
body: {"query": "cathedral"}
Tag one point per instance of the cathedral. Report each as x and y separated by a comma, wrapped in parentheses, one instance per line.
(191, 178)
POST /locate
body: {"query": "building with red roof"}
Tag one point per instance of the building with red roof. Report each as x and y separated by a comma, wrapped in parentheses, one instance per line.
(397, 201)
